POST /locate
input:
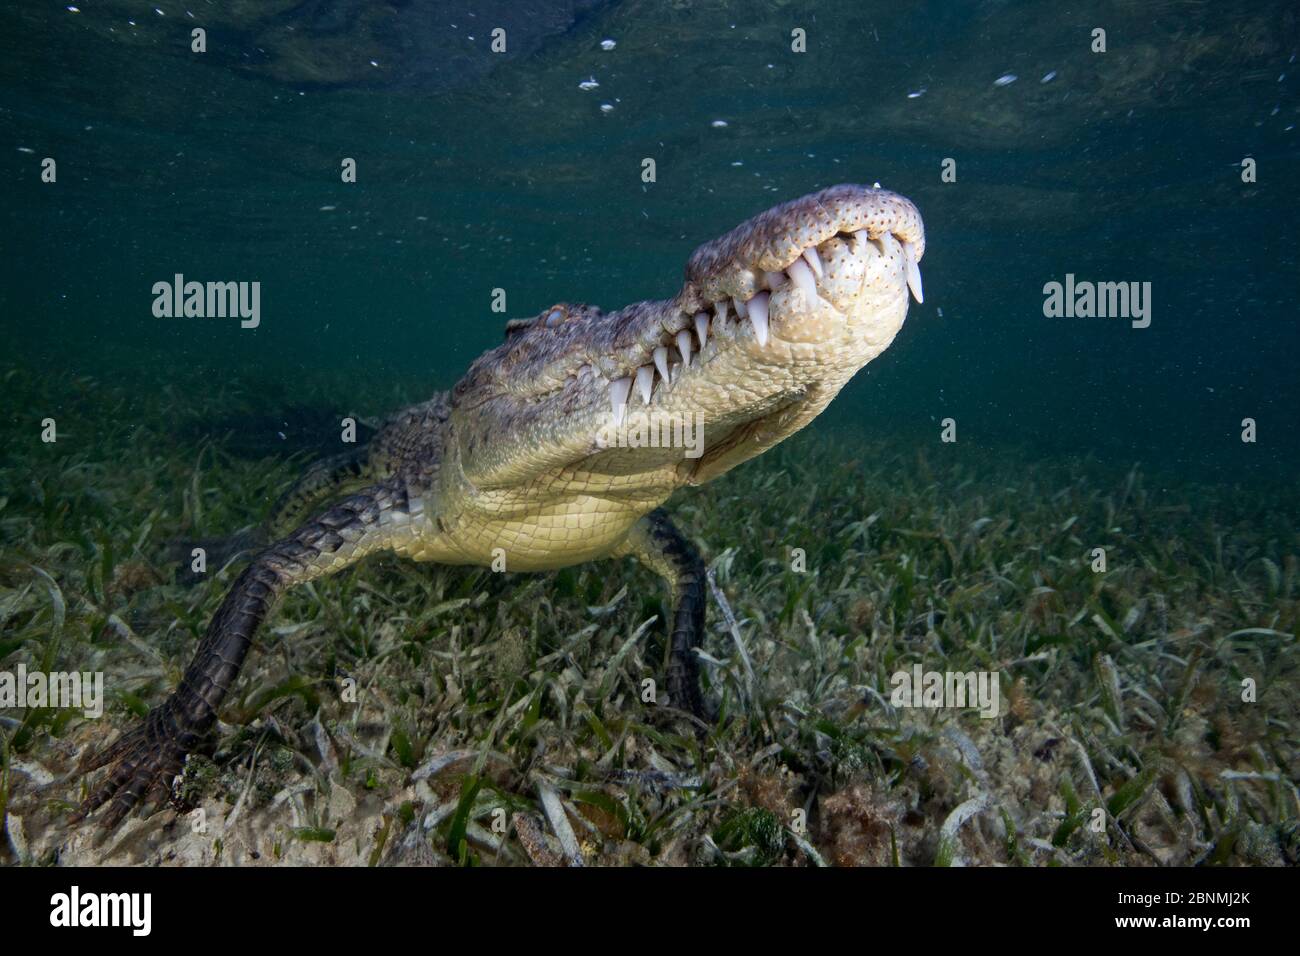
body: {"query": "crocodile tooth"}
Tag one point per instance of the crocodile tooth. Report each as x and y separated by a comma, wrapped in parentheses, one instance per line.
(618, 392)
(913, 271)
(774, 280)
(661, 361)
(684, 346)
(801, 275)
(720, 310)
(645, 381)
(740, 308)
(702, 328)
(758, 317)
(813, 259)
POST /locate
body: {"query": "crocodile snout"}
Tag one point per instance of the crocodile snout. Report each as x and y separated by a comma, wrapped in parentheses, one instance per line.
(820, 280)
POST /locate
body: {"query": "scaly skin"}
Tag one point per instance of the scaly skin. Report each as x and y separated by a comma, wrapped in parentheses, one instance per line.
(510, 464)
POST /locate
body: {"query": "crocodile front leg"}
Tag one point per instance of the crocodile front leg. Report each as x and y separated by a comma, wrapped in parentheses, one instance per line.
(144, 761)
(656, 543)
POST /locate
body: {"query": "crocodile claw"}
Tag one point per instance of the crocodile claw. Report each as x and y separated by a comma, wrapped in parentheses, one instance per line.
(142, 765)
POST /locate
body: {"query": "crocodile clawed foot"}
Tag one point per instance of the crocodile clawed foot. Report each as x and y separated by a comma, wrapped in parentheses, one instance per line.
(141, 767)
(687, 699)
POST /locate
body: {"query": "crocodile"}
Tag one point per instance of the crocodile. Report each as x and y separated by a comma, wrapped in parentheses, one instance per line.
(519, 466)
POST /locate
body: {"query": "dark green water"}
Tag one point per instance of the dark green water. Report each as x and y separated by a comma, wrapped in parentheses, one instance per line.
(479, 171)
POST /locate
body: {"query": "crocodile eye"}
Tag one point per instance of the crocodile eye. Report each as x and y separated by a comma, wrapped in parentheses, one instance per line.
(554, 317)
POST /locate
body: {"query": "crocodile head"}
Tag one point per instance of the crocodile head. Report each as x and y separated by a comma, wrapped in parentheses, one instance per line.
(772, 320)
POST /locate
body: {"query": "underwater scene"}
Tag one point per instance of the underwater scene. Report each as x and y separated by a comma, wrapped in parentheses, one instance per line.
(625, 433)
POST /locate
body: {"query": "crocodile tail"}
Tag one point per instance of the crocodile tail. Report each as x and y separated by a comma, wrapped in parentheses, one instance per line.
(143, 763)
(329, 477)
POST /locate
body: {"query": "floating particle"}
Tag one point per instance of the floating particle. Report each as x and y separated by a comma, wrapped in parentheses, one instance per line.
(588, 84)
(1006, 79)
(74, 9)
(718, 124)
(328, 208)
(606, 107)
(25, 149)
(607, 44)
(917, 94)
(738, 163)
(1048, 77)
(941, 316)
(373, 63)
